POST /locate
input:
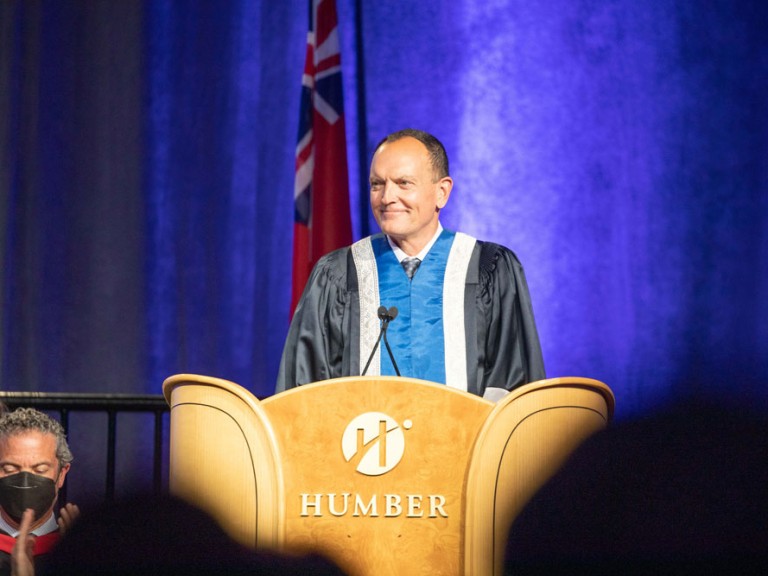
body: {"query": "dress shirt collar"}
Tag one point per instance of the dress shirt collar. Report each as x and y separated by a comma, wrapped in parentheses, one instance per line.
(421, 255)
(50, 525)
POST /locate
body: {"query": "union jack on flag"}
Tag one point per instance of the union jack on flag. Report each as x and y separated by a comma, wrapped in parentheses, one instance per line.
(322, 220)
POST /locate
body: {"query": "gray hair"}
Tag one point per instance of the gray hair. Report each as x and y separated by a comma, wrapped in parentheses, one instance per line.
(24, 420)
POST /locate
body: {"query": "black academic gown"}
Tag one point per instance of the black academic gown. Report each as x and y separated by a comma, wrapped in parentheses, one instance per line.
(502, 343)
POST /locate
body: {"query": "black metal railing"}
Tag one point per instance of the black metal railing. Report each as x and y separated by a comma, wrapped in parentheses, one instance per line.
(111, 405)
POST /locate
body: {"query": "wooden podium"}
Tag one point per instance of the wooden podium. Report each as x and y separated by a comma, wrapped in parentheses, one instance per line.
(383, 475)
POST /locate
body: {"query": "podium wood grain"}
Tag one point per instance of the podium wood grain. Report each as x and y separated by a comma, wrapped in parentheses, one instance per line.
(248, 463)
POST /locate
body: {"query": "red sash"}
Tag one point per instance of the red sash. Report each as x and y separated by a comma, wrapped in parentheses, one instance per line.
(43, 544)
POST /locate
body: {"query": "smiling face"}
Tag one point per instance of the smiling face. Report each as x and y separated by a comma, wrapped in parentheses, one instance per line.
(406, 194)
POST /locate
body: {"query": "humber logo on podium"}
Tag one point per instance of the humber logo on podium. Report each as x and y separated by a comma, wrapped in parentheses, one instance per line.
(376, 440)
(374, 443)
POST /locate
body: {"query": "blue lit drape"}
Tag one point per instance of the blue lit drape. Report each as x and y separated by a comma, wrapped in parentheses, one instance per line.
(618, 147)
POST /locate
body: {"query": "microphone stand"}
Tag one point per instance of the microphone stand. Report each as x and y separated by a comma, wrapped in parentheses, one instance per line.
(391, 356)
(386, 317)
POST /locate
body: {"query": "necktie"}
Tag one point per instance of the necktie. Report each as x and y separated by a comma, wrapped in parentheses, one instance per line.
(410, 265)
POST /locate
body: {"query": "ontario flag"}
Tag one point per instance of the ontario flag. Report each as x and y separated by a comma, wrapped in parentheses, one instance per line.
(322, 220)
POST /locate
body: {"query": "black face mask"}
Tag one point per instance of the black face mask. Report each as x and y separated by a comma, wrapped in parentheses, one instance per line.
(26, 490)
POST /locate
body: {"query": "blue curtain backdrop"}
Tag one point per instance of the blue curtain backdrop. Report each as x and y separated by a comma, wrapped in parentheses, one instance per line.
(619, 147)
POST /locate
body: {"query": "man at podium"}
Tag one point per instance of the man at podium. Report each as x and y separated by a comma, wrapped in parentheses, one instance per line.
(459, 308)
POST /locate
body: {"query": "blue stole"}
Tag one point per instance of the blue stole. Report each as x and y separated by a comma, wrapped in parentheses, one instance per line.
(416, 335)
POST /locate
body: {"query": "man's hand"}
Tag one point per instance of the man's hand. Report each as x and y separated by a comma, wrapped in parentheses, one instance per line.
(22, 556)
(67, 517)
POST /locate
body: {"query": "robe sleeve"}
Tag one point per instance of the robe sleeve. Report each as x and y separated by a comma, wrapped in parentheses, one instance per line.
(511, 352)
(316, 340)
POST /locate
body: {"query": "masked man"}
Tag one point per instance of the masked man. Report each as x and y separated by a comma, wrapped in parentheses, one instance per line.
(34, 461)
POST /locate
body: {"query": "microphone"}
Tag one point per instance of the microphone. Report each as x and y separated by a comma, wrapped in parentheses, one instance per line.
(386, 316)
(390, 315)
